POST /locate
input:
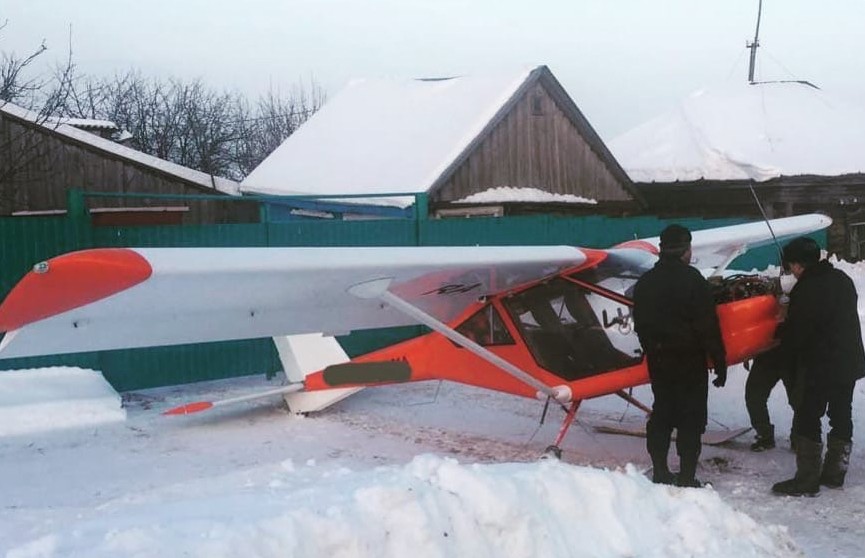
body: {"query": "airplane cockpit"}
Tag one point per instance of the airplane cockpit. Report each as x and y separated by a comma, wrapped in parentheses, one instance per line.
(581, 325)
(572, 331)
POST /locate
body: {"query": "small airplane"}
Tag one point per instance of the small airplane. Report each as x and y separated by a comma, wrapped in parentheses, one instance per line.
(546, 322)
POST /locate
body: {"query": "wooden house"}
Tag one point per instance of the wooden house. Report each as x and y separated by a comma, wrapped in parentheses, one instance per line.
(41, 159)
(454, 139)
(779, 148)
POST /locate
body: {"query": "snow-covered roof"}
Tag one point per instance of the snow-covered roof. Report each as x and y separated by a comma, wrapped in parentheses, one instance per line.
(381, 136)
(509, 194)
(759, 132)
(86, 123)
(221, 184)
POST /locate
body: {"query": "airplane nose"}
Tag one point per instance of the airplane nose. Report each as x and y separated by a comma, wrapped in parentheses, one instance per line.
(70, 281)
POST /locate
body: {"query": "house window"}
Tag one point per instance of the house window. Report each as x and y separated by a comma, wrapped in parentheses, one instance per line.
(537, 105)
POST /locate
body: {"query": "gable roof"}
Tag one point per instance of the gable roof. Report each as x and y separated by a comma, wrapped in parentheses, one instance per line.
(381, 136)
(760, 131)
(108, 147)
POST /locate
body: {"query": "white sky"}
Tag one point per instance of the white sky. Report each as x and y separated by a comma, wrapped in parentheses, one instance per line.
(623, 61)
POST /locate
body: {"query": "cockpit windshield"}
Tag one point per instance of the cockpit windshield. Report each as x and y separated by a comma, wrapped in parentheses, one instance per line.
(574, 332)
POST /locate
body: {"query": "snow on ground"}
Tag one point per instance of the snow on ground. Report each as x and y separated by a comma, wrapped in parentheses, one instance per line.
(431, 469)
(391, 472)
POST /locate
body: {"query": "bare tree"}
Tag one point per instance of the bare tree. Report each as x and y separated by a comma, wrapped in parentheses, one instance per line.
(186, 122)
(191, 124)
(36, 99)
(15, 83)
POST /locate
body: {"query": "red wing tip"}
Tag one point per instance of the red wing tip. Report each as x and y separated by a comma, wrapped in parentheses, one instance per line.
(190, 408)
(71, 281)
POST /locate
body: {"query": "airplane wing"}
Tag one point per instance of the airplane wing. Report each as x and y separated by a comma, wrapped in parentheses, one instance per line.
(716, 248)
(123, 297)
(115, 298)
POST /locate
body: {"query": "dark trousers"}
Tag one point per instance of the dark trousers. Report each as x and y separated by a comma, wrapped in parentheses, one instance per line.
(813, 399)
(680, 403)
(762, 378)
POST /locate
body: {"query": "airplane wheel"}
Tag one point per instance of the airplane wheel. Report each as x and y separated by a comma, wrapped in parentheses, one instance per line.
(552, 452)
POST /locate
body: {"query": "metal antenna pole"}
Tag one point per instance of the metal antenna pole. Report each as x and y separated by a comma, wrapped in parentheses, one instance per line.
(766, 219)
(753, 46)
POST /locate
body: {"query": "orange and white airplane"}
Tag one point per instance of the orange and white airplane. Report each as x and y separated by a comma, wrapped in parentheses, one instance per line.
(552, 322)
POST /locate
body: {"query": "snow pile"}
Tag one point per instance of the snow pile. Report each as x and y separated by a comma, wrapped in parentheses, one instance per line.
(758, 132)
(504, 194)
(51, 398)
(432, 507)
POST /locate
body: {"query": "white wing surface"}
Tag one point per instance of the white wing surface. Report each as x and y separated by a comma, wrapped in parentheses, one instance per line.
(117, 298)
(123, 298)
(716, 248)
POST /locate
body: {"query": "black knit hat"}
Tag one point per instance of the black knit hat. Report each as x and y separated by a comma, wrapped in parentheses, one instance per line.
(675, 240)
(802, 250)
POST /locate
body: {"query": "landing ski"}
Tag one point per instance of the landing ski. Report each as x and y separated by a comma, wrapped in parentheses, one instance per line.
(710, 437)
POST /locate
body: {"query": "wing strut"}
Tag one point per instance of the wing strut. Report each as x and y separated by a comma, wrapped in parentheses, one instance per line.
(378, 289)
(734, 253)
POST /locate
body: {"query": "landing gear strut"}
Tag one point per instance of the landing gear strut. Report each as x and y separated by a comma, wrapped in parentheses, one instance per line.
(554, 451)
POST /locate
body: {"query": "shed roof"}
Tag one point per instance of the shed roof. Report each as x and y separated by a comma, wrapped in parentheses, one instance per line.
(760, 131)
(380, 136)
(106, 146)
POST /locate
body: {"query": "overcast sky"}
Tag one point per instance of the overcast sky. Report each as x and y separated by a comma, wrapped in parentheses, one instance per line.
(623, 61)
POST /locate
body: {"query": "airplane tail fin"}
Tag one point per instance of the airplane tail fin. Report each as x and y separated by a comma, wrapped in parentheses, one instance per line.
(304, 354)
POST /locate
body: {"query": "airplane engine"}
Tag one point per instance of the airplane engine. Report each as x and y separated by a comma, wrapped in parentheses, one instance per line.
(749, 309)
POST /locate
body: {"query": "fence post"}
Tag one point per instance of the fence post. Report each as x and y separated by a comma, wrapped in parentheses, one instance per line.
(421, 212)
(75, 206)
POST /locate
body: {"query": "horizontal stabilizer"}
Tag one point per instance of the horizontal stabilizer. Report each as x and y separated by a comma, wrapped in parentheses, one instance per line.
(367, 373)
(198, 406)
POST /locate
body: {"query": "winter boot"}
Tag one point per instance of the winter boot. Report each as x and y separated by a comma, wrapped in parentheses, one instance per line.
(836, 463)
(658, 446)
(688, 470)
(765, 437)
(809, 455)
(663, 477)
(660, 470)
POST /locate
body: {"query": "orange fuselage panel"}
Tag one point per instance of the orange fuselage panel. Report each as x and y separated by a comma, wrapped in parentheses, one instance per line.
(748, 327)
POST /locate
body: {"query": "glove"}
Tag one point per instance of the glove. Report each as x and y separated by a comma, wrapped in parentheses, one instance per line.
(720, 377)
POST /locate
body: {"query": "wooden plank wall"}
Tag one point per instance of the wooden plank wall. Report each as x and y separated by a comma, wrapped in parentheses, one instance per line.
(537, 149)
(44, 165)
(840, 197)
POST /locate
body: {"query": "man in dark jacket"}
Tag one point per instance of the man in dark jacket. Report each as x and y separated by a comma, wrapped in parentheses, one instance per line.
(822, 341)
(675, 319)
